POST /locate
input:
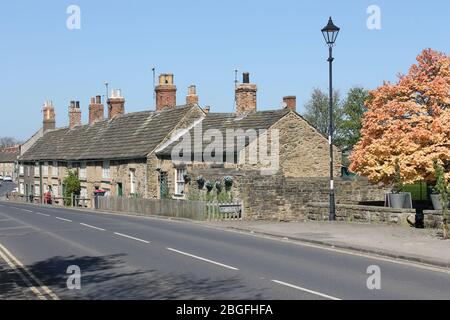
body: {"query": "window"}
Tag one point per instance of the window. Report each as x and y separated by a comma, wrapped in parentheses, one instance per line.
(36, 169)
(132, 181)
(45, 169)
(55, 169)
(83, 193)
(21, 188)
(179, 178)
(83, 170)
(37, 191)
(45, 187)
(21, 170)
(55, 190)
(105, 170)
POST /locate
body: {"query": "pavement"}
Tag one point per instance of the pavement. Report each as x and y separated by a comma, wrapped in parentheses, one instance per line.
(128, 257)
(418, 245)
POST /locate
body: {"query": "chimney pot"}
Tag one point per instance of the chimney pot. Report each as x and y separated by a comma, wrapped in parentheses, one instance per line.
(246, 77)
(207, 109)
(74, 114)
(49, 118)
(116, 104)
(96, 110)
(192, 97)
(166, 92)
(246, 95)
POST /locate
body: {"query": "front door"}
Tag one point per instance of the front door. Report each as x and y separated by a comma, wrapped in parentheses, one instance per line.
(163, 185)
(119, 189)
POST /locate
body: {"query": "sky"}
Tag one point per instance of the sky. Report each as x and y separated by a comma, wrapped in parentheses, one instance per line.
(201, 42)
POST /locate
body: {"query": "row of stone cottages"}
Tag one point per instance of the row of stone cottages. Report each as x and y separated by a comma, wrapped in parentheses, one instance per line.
(132, 154)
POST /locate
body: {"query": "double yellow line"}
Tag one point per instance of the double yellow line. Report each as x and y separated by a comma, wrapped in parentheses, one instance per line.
(33, 283)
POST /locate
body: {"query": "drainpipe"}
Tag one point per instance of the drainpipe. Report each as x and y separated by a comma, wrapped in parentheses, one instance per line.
(40, 183)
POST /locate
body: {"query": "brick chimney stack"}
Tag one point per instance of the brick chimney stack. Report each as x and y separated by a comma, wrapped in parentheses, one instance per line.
(192, 97)
(246, 95)
(96, 110)
(291, 102)
(116, 104)
(74, 114)
(49, 118)
(166, 93)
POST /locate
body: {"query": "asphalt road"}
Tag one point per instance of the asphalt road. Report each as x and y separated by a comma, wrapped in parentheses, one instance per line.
(124, 257)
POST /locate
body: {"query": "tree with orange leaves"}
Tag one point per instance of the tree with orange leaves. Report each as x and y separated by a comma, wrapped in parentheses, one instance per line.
(409, 121)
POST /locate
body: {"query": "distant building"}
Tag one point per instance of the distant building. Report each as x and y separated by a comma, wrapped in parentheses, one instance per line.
(8, 161)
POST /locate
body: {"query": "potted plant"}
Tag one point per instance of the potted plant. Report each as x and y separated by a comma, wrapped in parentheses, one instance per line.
(435, 198)
(200, 182)
(218, 186)
(187, 178)
(209, 186)
(438, 187)
(228, 182)
(397, 198)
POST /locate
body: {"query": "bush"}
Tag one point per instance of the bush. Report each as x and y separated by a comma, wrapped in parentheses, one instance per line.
(72, 186)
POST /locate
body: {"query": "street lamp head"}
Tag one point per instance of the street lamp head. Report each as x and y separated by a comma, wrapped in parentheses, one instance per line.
(330, 33)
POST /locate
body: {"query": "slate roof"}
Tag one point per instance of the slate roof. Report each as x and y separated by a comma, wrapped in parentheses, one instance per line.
(132, 135)
(259, 120)
(8, 156)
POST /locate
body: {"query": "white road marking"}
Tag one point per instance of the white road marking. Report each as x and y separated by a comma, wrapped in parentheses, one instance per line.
(130, 237)
(26, 210)
(14, 228)
(305, 290)
(31, 275)
(89, 226)
(42, 214)
(203, 259)
(21, 275)
(67, 220)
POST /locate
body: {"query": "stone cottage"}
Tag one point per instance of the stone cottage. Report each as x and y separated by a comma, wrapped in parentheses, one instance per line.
(150, 153)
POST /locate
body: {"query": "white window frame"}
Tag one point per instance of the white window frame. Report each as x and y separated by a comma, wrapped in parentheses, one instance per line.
(55, 190)
(106, 174)
(21, 187)
(21, 169)
(55, 169)
(179, 181)
(132, 181)
(37, 190)
(83, 193)
(36, 169)
(45, 169)
(83, 170)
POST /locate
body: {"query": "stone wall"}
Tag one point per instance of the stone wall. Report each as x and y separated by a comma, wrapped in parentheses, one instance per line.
(283, 198)
(360, 213)
(432, 218)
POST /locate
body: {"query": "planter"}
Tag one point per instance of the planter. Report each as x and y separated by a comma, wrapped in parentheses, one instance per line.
(399, 200)
(435, 199)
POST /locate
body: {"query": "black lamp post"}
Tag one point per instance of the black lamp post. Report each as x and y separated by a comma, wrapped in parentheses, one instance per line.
(330, 33)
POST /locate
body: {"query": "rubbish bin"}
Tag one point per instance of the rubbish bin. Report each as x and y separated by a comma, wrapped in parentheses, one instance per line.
(98, 193)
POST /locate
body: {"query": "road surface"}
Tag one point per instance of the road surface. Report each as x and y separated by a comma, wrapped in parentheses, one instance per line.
(125, 257)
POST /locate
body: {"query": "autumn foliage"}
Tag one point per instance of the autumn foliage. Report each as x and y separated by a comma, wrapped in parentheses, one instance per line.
(409, 121)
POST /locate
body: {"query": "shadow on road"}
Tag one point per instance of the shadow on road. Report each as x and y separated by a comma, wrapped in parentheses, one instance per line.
(109, 277)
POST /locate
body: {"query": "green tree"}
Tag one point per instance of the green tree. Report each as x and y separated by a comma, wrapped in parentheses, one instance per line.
(353, 110)
(72, 186)
(317, 113)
